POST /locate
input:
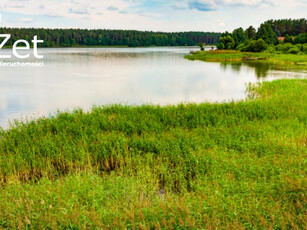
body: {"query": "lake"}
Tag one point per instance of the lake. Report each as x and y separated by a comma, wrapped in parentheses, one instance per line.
(82, 77)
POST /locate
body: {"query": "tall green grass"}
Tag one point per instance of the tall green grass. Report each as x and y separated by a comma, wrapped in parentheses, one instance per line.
(213, 166)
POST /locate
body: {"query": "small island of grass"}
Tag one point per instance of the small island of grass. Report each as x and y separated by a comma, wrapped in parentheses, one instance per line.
(232, 55)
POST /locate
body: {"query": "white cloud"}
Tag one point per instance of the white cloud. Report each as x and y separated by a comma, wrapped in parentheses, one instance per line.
(112, 8)
(63, 8)
(203, 5)
(180, 5)
(222, 24)
(27, 20)
(246, 2)
(209, 5)
(79, 9)
(157, 15)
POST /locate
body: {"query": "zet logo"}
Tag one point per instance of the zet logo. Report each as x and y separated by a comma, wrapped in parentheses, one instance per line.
(15, 47)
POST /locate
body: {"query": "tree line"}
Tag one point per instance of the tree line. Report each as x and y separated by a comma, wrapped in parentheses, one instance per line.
(131, 38)
(293, 30)
(292, 27)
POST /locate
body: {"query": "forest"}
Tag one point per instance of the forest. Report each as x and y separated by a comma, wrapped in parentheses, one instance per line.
(271, 35)
(131, 38)
(292, 29)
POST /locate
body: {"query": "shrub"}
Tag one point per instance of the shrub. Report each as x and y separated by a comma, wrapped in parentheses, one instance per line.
(271, 49)
(255, 46)
(284, 47)
(294, 50)
(300, 39)
(240, 47)
(227, 42)
(220, 46)
(201, 45)
(288, 39)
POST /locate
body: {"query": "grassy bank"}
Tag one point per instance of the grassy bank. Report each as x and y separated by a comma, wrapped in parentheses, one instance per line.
(230, 55)
(212, 166)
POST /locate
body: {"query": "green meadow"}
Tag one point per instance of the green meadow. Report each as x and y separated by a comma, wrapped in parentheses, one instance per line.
(236, 165)
(232, 55)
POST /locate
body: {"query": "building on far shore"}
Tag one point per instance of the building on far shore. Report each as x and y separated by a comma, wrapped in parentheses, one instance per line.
(281, 39)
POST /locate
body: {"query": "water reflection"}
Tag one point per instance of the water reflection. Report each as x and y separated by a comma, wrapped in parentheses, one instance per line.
(83, 77)
(262, 69)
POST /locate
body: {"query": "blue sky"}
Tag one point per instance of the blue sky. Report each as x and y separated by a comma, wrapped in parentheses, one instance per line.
(155, 15)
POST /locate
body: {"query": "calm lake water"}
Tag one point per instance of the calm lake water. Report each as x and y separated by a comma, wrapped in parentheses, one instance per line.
(82, 77)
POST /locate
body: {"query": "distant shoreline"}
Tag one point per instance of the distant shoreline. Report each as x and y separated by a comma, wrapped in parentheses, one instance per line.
(61, 47)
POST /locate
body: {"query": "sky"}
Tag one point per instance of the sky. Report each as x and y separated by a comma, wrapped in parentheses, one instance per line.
(149, 15)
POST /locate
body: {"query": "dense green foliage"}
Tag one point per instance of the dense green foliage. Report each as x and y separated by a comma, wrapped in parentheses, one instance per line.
(238, 165)
(253, 46)
(250, 33)
(260, 45)
(292, 27)
(251, 40)
(78, 37)
(226, 42)
(300, 39)
(239, 36)
(266, 33)
(289, 48)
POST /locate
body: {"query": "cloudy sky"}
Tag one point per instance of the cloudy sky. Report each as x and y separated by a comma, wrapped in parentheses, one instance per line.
(155, 15)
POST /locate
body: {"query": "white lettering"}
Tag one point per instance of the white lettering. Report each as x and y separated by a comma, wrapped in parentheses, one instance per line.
(15, 48)
(6, 38)
(35, 41)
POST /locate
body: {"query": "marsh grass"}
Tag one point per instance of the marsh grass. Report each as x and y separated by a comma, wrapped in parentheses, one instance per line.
(238, 165)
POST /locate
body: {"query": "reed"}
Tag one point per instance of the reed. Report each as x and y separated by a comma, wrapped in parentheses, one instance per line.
(213, 166)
